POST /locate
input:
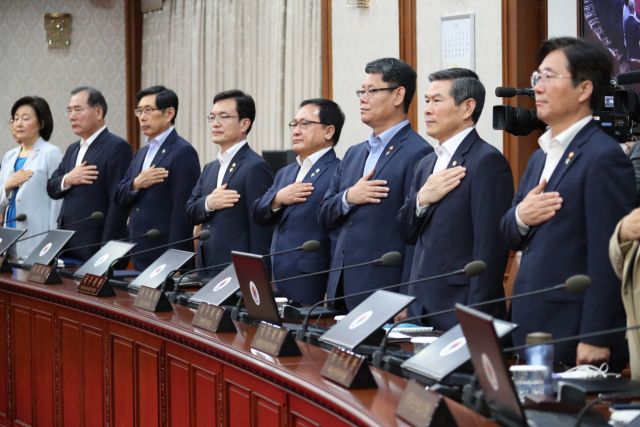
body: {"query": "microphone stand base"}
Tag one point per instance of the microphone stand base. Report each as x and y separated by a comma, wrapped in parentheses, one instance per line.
(387, 363)
(5, 267)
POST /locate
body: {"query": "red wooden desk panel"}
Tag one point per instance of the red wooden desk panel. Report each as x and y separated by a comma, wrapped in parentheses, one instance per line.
(4, 370)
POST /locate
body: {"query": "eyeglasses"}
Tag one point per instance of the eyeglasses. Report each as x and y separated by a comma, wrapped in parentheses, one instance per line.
(544, 78)
(146, 111)
(371, 93)
(304, 124)
(69, 111)
(220, 118)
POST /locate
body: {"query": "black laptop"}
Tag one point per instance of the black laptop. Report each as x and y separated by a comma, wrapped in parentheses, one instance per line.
(447, 353)
(366, 319)
(154, 275)
(8, 236)
(99, 263)
(495, 380)
(48, 248)
(217, 290)
(253, 274)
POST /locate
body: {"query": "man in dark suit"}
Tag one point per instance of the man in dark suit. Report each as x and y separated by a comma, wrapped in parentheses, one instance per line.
(292, 202)
(88, 176)
(458, 197)
(573, 193)
(371, 183)
(632, 32)
(221, 201)
(162, 174)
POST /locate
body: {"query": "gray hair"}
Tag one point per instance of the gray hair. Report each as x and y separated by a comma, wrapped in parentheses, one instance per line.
(465, 84)
(94, 99)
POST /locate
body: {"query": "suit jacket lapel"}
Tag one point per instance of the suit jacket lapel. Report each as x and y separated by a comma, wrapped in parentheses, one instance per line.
(391, 149)
(236, 162)
(34, 153)
(163, 152)
(94, 148)
(289, 179)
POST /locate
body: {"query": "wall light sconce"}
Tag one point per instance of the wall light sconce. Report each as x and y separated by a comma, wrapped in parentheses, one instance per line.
(358, 4)
(58, 28)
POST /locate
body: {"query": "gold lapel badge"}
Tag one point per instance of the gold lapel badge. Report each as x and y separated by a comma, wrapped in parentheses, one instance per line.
(569, 158)
(233, 165)
(164, 151)
(231, 170)
(390, 148)
(454, 163)
(313, 174)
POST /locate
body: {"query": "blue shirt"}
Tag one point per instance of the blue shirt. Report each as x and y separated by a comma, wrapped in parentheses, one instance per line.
(11, 213)
(376, 145)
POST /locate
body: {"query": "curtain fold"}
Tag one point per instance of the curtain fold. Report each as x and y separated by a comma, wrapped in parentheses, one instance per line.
(270, 49)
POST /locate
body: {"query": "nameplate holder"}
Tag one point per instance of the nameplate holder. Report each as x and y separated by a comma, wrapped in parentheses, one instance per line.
(4, 265)
(98, 286)
(275, 341)
(422, 408)
(348, 369)
(44, 274)
(213, 318)
(151, 299)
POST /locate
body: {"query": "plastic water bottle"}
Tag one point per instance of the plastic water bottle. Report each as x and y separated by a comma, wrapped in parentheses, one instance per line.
(541, 355)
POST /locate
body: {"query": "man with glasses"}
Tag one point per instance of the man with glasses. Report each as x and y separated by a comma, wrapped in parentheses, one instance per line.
(292, 202)
(458, 197)
(160, 178)
(221, 200)
(372, 182)
(88, 176)
(573, 193)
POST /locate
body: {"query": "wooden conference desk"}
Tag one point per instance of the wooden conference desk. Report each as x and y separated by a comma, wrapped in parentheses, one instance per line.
(69, 359)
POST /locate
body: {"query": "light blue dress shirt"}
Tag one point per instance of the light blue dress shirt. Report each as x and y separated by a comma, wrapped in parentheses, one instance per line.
(154, 145)
(376, 145)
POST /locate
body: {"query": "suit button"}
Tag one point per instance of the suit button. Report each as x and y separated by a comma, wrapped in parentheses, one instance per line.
(335, 215)
(343, 251)
(351, 224)
(525, 250)
(281, 230)
(208, 225)
(137, 209)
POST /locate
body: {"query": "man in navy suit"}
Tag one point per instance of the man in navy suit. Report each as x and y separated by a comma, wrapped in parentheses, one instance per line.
(371, 183)
(157, 185)
(292, 202)
(221, 200)
(88, 176)
(458, 197)
(573, 193)
(632, 32)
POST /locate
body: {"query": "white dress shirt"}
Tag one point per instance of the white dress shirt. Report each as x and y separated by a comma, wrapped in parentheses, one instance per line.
(554, 147)
(305, 166)
(84, 146)
(444, 152)
(225, 160)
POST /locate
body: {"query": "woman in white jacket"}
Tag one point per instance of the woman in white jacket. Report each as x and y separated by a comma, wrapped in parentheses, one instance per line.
(25, 171)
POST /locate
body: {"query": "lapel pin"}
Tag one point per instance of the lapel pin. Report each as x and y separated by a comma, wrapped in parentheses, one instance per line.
(454, 163)
(391, 148)
(571, 155)
(387, 153)
(569, 158)
(164, 151)
(231, 170)
(313, 174)
(317, 170)
(233, 165)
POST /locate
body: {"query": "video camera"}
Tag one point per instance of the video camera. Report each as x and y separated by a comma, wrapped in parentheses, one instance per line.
(619, 111)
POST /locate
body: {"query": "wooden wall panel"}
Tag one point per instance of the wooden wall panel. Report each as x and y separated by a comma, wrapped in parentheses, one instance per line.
(44, 370)
(250, 401)
(148, 385)
(70, 372)
(21, 368)
(93, 385)
(122, 394)
(4, 362)
(307, 414)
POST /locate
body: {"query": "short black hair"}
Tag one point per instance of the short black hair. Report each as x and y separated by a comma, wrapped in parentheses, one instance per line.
(396, 73)
(585, 61)
(245, 106)
(42, 110)
(94, 98)
(465, 84)
(330, 114)
(165, 98)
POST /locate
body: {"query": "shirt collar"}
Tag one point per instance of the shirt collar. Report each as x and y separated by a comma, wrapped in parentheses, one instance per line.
(384, 137)
(160, 138)
(228, 155)
(565, 138)
(314, 157)
(451, 145)
(93, 137)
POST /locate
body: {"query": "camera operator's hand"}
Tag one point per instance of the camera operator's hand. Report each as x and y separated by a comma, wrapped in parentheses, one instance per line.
(630, 227)
(539, 207)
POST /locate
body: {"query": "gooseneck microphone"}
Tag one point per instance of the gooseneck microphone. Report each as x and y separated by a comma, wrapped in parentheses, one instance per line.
(576, 284)
(20, 217)
(308, 246)
(202, 235)
(510, 92)
(172, 297)
(474, 268)
(96, 216)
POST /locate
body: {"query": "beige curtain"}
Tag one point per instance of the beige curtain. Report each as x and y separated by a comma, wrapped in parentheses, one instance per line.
(267, 48)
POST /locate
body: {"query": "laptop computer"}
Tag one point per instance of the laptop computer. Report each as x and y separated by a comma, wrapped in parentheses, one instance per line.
(154, 275)
(219, 289)
(8, 236)
(48, 248)
(495, 380)
(366, 319)
(100, 261)
(253, 275)
(447, 353)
